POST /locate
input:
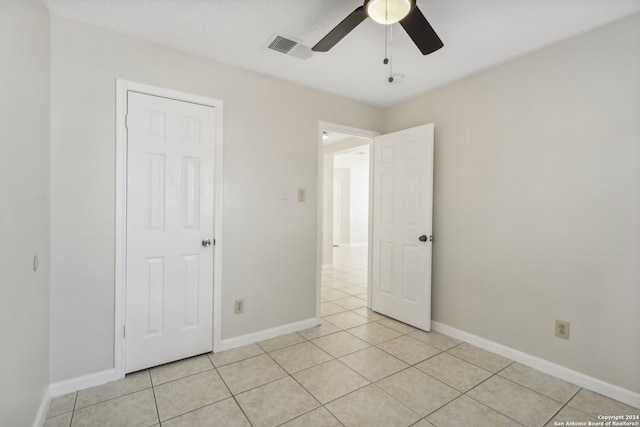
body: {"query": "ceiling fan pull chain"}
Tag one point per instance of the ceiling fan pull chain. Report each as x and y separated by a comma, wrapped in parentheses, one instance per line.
(386, 44)
(386, 11)
(386, 32)
(390, 53)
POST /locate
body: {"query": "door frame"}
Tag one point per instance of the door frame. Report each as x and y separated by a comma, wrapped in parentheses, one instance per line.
(334, 127)
(122, 87)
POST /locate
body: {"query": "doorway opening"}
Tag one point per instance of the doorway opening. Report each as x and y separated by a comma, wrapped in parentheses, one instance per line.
(346, 210)
(397, 282)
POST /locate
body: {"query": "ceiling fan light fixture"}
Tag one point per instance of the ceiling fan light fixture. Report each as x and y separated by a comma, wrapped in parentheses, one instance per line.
(388, 12)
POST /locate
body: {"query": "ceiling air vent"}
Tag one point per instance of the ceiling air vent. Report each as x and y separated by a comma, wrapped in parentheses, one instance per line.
(290, 47)
(282, 44)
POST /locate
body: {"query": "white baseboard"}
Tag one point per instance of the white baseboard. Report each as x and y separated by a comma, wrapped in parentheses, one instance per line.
(268, 333)
(43, 409)
(103, 377)
(85, 381)
(79, 383)
(610, 390)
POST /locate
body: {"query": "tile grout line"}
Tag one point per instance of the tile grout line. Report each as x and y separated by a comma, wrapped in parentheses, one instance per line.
(204, 406)
(566, 405)
(297, 382)
(536, 391)
(280, 348)
(181, 378)
(303, 387)
(73, 411)
(112, 398)
(421, 417)
(460, 393)
(493, 374)
(511, 362)
(409, 366)
(155, 401)
(323, 405)
(484, 404)
(233, 396)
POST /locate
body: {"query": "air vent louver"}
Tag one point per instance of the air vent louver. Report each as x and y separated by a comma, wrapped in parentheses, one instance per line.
(290, 47)
(282, 44)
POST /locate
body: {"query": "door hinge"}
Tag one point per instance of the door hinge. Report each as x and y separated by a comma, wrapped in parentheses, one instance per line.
(214, 242)
(124, 331)
(126, 121)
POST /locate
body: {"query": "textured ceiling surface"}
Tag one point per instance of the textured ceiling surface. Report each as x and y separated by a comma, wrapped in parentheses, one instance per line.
(477, 34)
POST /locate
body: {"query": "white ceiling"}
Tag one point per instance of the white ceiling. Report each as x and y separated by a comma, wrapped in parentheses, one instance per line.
(476, 34)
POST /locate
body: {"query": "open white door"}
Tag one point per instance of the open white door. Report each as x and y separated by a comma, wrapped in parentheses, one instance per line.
(170, 194)
(402, 225)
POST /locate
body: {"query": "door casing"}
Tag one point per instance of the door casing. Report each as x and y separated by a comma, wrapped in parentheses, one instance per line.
(122, 87)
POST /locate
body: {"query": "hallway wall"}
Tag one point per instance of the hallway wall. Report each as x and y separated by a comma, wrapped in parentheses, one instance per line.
(24, 209)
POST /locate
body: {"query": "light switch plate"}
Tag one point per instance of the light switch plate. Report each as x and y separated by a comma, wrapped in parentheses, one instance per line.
(562, 329)
(238, 306)
(301, 194)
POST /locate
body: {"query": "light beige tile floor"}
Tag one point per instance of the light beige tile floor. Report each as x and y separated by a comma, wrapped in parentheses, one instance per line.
(357, 369)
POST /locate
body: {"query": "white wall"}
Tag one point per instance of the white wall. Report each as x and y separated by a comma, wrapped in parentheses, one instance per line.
(359, 206)
(537, 201)
(270, 143)
(24, 209)
(327, 210)
(358, 166)
(341, 206)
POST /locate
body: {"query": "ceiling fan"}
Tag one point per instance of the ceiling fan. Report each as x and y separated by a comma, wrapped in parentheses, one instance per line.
(387, 12)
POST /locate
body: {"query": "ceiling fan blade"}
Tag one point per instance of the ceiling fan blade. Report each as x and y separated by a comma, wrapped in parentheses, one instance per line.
(421, 32)
(341, 30)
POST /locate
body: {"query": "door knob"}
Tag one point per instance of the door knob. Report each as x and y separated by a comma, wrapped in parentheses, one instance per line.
(422, 238)
(206, 242)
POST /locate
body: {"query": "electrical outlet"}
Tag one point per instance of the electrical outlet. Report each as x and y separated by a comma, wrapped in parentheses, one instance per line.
(238, 306)
(562, 329)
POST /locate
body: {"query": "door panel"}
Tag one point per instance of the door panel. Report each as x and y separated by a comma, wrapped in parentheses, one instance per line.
(169, 283)
(190, 193)
(189, 269)
(402, 212)
(154, 296)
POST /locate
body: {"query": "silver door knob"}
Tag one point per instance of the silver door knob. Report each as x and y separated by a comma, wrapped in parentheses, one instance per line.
(422, 238)
(206, 242)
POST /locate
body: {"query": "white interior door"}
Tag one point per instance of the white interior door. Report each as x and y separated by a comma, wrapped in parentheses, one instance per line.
(402, 225)
(170, 193)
